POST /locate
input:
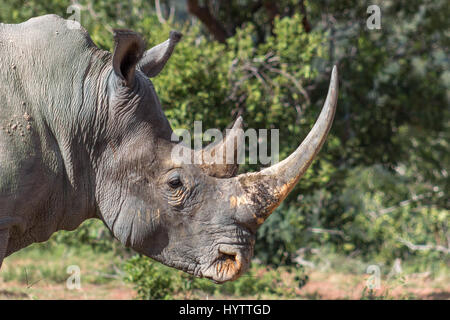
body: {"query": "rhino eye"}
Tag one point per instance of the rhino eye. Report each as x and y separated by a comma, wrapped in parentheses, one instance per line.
(175, 183)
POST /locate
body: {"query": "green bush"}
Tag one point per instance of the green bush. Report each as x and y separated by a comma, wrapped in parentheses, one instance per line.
(91, 233)
(153, 280)
(150, 280)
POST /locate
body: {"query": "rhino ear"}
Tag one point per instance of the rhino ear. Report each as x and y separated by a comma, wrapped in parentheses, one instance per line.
(128, 50)
(156, 58)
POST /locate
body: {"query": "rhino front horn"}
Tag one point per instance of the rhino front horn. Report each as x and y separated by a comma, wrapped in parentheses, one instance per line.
(266, 189)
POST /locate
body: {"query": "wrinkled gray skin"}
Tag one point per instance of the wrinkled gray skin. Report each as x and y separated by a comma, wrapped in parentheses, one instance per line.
(83, 135)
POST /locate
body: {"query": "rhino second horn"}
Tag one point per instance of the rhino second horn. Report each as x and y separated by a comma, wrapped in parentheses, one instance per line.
(226, 151)
(265, 190)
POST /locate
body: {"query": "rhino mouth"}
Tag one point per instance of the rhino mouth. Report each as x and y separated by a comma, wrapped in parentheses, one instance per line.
(230, 263)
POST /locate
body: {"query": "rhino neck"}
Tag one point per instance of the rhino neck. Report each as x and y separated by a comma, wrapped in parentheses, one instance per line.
(78, 134)
(72, 118)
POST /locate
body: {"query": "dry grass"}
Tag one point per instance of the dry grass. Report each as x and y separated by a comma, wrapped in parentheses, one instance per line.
(37, 273)
(320, 286)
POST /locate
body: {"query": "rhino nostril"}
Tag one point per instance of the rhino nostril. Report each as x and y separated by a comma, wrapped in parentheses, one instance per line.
(227, 256)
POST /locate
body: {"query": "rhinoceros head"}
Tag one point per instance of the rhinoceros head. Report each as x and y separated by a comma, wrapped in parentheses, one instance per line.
(200, 218)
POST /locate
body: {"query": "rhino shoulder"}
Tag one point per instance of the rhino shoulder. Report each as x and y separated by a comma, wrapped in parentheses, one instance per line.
(46, 18)
(53, 23)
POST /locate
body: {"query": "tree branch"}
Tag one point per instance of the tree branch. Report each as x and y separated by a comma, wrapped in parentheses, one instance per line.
(424, 247)
(305, 22)
(329, 231)
(272, 11)
(205, 16)
(376, 214)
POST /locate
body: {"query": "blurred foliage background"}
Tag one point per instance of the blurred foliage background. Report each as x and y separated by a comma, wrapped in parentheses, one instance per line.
(378, 190)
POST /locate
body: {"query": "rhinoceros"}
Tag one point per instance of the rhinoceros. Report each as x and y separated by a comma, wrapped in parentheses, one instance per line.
(83, 135)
